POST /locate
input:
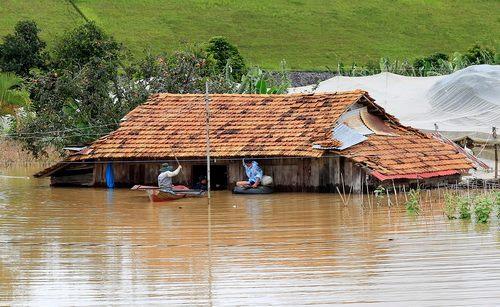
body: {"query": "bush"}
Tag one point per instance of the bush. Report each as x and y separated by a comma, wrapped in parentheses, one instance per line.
(482, 208)
(226, 55)
(464, 207)
(22, 50)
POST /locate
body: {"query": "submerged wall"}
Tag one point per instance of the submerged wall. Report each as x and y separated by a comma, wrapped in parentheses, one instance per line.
(329, 174)
(291, 175)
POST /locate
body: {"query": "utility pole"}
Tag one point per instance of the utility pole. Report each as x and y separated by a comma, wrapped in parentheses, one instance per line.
(207, 128)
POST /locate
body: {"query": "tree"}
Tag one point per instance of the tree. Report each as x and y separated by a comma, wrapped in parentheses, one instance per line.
(226, 54)
(22, 50)
(11, 96)
(183, 71)
(83, 45)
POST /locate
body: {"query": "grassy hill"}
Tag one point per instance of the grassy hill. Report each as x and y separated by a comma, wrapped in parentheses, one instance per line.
(309, 34)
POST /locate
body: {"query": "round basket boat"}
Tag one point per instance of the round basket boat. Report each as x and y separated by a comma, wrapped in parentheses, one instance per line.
(257, 190)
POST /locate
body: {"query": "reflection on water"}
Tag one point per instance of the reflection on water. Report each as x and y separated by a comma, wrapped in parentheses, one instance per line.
(90, 246)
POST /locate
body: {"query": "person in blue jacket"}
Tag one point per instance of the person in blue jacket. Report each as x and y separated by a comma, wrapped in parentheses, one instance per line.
(254, 174)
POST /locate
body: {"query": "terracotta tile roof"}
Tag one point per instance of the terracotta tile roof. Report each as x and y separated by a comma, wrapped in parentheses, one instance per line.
(409, 155)
(171, 125)
(240, 125)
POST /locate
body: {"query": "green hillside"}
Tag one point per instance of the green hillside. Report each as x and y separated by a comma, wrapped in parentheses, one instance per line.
(309, 34)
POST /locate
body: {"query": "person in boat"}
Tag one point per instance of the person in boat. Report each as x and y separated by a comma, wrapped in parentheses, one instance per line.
(167, 172)
(254, 174)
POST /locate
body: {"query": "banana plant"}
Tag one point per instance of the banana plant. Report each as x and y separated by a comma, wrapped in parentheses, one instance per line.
(11, 96)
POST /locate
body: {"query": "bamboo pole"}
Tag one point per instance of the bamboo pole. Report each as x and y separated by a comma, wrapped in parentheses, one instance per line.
(343, 185)
(495, 146)
(207, 128)
(367, 192)
(341, 197)
(362, 192)
(395, 192)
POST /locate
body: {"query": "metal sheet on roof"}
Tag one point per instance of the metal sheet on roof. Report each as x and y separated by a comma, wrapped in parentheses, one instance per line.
(353, 120)
(348, 136)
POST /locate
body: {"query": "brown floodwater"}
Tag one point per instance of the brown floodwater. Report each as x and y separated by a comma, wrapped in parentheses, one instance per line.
(71, 246)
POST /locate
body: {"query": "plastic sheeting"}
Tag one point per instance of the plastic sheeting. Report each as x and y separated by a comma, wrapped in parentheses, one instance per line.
(465, 103)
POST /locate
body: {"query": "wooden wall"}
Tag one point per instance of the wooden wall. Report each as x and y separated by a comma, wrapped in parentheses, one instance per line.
(289, 175)
(305, 174)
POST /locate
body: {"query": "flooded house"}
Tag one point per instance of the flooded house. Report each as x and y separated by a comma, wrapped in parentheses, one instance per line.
(306, 142)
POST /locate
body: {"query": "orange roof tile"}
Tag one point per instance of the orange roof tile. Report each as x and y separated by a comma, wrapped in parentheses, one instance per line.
(240, 125)
(407, 155)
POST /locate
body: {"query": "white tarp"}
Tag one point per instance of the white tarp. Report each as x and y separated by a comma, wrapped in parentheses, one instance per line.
(466, 102)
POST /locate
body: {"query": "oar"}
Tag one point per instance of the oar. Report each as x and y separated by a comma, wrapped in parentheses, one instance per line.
(178, 163)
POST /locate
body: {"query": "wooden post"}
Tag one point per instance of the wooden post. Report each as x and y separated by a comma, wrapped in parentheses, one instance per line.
(207, 128)
(495, 146)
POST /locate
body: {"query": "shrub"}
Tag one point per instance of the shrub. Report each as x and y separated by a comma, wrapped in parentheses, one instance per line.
(464, 207)
(483, 206)
(22, 50)
(413, 203)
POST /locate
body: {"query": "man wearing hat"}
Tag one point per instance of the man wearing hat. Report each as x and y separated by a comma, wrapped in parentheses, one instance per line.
(254, 174)
(166, 174)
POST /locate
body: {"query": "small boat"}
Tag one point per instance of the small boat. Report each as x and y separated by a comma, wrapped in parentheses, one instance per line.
(258, 190)
(155, 194)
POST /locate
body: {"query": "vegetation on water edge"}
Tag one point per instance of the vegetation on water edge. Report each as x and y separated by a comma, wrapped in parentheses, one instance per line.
(309, 34)
(457, 206)
(464, 206)
(413, 204)
(483, 206)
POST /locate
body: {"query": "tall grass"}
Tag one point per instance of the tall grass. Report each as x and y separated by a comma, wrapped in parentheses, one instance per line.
(11, 152)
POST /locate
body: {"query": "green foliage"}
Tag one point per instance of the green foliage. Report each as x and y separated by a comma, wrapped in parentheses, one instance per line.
(76, 107)
(22, 50)
(258, 81)
(496, 197)
(226, 54)
(430, 62)
(83, 45)
(478, 54)
(483, 206)
(184, 71)
(12, 95)
(464, 207)
(450, 205)
(413, 203)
